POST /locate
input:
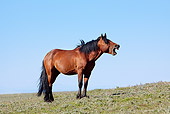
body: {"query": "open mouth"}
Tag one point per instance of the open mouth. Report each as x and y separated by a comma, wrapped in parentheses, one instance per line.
(117, 48)
(114, 51)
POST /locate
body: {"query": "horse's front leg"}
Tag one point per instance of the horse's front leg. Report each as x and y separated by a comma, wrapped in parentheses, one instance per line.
(80, 83)
(87, 74)
(86, 79)
(85, 87)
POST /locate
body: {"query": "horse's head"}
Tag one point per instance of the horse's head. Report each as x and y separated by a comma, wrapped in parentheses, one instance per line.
(107, 46)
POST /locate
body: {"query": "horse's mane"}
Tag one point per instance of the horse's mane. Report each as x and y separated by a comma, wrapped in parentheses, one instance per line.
(90, 46)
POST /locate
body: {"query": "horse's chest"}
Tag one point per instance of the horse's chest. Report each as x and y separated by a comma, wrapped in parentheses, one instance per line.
(90, 66)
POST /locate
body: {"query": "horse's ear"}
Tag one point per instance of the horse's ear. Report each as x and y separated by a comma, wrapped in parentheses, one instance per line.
(105, 35)
(102, 35)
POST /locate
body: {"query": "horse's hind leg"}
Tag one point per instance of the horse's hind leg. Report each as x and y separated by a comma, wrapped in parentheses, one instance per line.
(80, 83)
(54, 74)
(51, 95)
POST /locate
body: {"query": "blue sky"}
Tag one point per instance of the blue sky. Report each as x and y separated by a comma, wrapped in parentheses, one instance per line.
(30, 29)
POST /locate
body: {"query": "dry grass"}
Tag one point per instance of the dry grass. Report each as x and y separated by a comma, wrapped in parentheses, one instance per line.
(147, 98)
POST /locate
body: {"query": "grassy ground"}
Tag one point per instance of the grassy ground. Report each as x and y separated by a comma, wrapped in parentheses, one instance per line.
(147, 98)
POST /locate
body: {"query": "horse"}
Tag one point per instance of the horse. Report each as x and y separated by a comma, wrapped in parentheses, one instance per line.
(80, 60)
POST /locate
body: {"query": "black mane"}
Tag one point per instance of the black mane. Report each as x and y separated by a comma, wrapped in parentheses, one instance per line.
(91, 45)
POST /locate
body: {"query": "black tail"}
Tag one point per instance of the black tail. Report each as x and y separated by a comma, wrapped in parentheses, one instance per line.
(43, 85)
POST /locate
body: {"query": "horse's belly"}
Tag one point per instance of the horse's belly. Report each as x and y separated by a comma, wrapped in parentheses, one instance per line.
(66, 70)
(65, 62)
(66, 67)
(70, 73)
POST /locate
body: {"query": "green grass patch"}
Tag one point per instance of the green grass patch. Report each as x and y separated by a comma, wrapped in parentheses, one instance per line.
(147, 98)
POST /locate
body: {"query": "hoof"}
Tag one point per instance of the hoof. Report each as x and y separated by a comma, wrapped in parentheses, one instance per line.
(51, 100)
(86, 96)
(48, 101)
(78, 97)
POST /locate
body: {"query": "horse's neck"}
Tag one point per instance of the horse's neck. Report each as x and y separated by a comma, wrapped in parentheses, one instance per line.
(93, 56)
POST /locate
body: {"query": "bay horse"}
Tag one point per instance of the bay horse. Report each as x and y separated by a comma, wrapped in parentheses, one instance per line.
(80, 60)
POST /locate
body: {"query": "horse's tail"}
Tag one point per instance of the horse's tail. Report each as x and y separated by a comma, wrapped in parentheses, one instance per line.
(43, 84)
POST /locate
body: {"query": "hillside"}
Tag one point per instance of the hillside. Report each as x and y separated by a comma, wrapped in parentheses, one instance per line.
(147, 98)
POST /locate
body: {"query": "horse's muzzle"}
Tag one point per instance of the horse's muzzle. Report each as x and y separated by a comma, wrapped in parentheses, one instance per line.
(117, 47)
(114, 50)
